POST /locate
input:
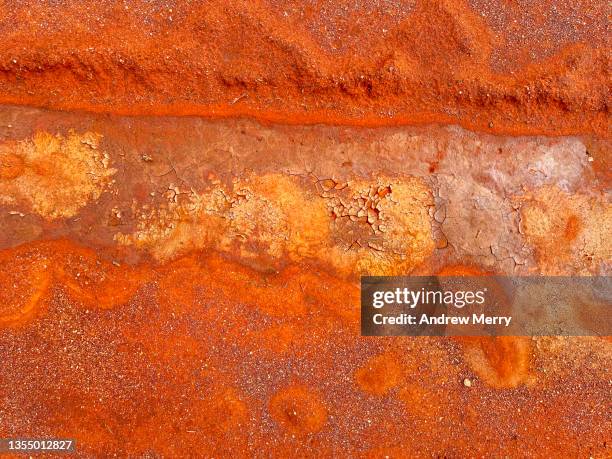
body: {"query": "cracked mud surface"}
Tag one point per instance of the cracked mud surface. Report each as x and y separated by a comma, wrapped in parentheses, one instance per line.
(188, 286)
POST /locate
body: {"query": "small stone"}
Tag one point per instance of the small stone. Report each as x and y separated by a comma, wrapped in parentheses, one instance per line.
(467, 382)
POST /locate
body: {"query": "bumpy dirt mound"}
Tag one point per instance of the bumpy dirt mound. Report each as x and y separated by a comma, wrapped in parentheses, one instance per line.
(511, 67)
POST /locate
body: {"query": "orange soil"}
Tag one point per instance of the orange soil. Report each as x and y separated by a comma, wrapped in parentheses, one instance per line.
(177, 343)
(503, 67)
(182, 357)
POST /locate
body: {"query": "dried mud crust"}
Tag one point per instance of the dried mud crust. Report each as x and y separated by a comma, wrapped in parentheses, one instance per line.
(354, 200)
(521, 67)
(188, 285)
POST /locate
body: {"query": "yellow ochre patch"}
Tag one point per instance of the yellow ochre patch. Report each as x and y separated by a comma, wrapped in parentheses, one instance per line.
(53, 175)
(563, 227)
(376, 228)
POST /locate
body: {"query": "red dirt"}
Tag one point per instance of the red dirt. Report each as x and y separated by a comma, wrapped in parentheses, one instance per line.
(504, 67)
(180, 287)
(202, 366)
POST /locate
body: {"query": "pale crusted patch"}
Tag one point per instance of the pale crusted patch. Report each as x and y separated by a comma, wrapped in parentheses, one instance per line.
(294, 219)
(568, 231)
(186, 221)
(382, 228)
(266, 216)
(54, 175)
(274, 215)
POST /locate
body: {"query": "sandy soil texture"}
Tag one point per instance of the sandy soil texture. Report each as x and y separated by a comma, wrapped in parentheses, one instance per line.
(190, 192)
(517, 67)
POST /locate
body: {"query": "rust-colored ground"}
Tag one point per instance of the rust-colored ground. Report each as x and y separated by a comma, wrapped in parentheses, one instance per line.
(188, 286)
(518, 67)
